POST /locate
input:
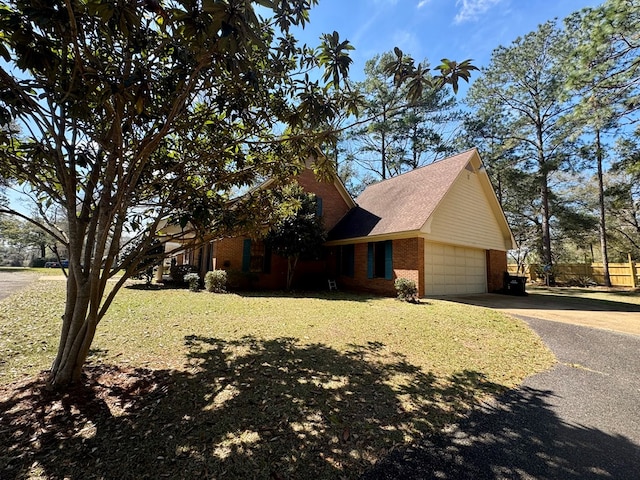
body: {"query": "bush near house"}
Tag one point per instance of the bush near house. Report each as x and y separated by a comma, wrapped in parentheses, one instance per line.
(406, 289)
(216, 281)
(193, 279)
(178, 272)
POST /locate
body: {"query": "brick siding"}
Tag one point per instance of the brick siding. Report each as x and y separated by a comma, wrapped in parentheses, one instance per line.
(334, 206)
(408, 262)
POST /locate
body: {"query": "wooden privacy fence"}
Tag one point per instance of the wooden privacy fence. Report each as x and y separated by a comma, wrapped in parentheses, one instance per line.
(621, 274)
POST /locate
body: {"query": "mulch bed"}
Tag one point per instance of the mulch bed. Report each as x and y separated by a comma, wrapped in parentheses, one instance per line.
(53, 435)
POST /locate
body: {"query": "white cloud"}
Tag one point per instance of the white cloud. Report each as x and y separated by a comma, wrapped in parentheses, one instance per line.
(422, 3)
(470, 10)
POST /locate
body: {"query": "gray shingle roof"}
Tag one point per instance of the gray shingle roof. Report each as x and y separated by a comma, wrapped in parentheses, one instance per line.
(403, 203)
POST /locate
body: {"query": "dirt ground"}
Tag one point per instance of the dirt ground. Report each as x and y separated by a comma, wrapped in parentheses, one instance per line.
(562, 305)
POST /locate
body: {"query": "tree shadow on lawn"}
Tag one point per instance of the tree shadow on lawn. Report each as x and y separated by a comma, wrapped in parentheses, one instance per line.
(251, 408)
(516, 437)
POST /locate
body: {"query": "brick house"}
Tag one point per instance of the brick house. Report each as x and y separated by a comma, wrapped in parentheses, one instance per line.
(440, 225)
(250, 263)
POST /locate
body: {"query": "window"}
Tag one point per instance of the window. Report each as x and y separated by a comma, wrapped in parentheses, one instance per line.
(256, 257)
(346, 259)
(318, 206)
(380, 260)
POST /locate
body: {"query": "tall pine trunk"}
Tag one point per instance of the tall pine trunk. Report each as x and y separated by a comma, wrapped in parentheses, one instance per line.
(602, 223)
(547, 257)
(543, 167)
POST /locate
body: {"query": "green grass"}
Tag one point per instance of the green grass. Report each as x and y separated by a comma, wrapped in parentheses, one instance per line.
(261, 385)
(602, 294)
(39, 271)
(149, 327)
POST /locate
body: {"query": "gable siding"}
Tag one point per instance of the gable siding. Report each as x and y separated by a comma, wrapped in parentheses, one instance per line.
(464, 217)
(334, 206)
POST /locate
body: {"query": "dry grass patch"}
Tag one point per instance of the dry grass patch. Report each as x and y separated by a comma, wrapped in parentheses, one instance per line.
(196, 385)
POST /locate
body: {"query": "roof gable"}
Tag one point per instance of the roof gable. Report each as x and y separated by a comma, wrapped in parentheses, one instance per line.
(336, 200)
(402, 203)
(406, 203)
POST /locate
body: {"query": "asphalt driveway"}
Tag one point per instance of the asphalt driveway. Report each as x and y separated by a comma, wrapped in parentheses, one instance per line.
(579, 420)
(560, 305)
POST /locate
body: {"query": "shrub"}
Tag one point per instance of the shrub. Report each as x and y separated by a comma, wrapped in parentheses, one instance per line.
(11, 260)
(216, 281)
(39, 262)
(581, 281)
(406, 289)
(178, 272)
(193, 279)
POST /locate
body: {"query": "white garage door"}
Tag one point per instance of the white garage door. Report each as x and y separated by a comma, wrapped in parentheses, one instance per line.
(451, 270)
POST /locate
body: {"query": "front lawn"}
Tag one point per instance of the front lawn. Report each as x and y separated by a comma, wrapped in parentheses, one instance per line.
(197, 385)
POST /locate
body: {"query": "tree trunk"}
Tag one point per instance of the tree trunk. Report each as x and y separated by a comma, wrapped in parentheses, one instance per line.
(546, 224)
(86, 285)
(383, 143)
(78, 330)
(602, 223)
(547, 258)
(292, 262)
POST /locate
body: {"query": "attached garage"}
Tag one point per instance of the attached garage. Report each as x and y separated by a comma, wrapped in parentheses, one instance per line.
(447, 229)
(451, 270)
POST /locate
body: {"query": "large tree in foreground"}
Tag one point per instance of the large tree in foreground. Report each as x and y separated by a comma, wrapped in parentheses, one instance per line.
(137, 115)
(150, 116)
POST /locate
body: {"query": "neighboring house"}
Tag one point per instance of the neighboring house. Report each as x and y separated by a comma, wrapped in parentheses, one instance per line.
(440, 225)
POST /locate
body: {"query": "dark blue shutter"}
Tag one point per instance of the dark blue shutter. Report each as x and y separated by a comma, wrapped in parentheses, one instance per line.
(246, 255)
(318, 206)
(370, 260)
(388, 260)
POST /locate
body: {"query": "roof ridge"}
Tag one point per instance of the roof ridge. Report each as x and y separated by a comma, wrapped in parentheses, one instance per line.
(423, 167)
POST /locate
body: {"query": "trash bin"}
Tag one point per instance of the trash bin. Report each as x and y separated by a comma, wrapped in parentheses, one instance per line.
(515, 285)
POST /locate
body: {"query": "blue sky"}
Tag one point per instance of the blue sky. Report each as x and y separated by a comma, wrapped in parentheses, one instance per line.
(432, 29)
